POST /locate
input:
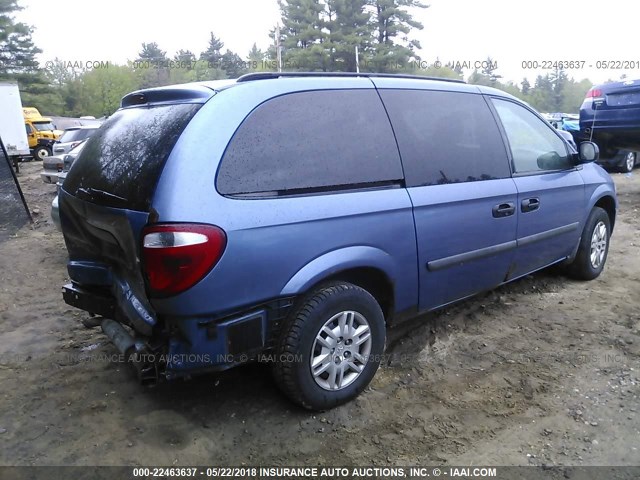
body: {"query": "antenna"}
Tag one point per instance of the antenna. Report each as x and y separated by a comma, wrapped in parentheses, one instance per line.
(593, 122)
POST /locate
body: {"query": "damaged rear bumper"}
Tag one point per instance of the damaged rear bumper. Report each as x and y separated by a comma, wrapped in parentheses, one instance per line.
(179, 347)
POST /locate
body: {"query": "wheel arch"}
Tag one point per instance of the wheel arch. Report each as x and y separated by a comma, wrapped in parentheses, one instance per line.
(608, 204)
(367, 267)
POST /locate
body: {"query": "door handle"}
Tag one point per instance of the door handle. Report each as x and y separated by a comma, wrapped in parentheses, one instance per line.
(504, 210)
(530, 204)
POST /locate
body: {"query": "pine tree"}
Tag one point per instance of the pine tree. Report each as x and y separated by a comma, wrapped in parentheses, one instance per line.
(186, 56)
(302, 35)
(152, 52)
(348, 23)
(18, 56)
(526, 87)
(233, 65)
(213, 53)
(393, 50)
(152, 66)
(489, 70)
(17, 51)
(559, 80)
(542, 94)
(255, 54)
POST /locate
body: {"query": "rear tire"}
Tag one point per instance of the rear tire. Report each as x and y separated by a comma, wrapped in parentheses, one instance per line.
(629, 162)
(594, 247)
(330, 347)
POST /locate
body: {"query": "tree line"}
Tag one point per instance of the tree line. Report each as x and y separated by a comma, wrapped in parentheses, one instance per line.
(314, 35)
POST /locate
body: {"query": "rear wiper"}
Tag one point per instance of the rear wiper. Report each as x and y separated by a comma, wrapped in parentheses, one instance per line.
(94, 194)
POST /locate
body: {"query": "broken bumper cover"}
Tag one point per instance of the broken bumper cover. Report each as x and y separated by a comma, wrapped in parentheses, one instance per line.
(187, 346)
(120, 301)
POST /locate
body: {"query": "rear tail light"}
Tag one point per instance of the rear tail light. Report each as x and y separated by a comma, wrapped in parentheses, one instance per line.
(594, 93)
(177, 256)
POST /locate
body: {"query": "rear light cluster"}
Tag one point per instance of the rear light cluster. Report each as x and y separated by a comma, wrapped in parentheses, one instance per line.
(177, 256)
(594, 93)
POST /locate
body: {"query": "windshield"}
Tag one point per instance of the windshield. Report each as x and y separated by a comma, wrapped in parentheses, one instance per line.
(44, 126)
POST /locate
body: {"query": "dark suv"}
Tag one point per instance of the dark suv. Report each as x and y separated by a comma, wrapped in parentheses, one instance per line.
(291, 218)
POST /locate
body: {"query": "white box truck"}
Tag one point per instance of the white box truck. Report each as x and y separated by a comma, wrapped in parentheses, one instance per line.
(12, 129)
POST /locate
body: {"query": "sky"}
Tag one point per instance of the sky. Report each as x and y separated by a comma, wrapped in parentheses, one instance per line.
(539, 32)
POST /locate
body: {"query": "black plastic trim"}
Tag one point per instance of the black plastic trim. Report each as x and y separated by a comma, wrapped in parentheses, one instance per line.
(538, 237)
(447, 262)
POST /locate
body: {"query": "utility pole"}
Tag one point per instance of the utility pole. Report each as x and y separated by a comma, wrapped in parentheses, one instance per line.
(278, 47)
(357, 60)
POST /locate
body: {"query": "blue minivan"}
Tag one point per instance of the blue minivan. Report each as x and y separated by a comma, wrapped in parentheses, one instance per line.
(292, 218)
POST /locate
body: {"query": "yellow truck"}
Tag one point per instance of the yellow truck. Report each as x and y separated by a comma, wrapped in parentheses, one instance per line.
(41, 133)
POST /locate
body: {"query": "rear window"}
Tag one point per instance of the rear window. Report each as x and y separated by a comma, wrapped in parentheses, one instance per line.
(69, 136)
(122, 161)
(76, 135)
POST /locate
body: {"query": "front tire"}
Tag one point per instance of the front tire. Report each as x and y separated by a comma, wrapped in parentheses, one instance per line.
(594, 247)
(330, 347)
(40, 153)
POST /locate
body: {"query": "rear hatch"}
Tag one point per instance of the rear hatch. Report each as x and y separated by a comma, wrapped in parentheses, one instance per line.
(622, 94)
(106, 201)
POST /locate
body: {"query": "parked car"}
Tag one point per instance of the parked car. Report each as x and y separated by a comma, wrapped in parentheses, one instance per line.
(324, 209)
(53, 166)
(65, 165)
(72, 137)
(568, 126)
(610, 114)
(622, 160)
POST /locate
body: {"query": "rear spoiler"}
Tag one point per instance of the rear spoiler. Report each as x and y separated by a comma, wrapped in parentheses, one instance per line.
(187, 93)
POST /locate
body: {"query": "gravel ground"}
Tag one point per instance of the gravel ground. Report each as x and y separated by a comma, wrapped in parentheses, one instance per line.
(544, 371)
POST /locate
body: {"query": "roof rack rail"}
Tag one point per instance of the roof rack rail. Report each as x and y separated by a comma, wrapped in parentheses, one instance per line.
(249, 77)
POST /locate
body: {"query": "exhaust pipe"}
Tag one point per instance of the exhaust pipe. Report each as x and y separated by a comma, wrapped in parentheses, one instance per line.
(134, 351)
(123, 341)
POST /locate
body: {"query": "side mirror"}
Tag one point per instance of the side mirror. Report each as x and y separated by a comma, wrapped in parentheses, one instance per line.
(551, 161)
(589, 152)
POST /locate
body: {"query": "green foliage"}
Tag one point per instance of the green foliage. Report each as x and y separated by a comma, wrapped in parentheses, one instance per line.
(18, 57)
(348, 24)
(316, 35)
(554, 92)
(17, 51)
(302, 35)
(152, 66)
(256, 60)
(213, 53)
(392, 50)
(233, 65)
(102, 89)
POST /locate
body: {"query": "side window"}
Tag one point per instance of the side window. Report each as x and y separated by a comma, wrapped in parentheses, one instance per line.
(534, 145)
(311, 140)
(29, 129)
(446, 137)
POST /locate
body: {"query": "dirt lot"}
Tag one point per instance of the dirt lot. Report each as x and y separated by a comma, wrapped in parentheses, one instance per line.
(543, 371)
